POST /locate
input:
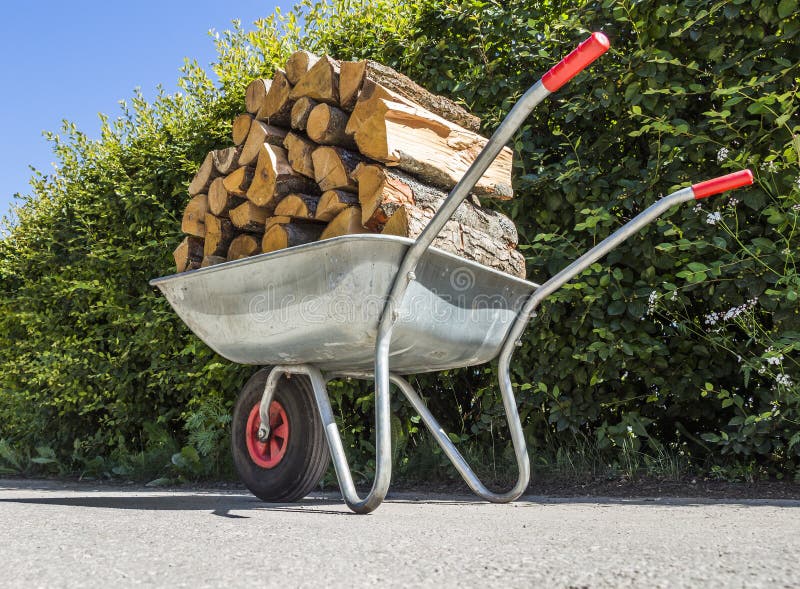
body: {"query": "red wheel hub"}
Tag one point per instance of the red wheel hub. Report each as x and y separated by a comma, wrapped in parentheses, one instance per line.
(270, 453)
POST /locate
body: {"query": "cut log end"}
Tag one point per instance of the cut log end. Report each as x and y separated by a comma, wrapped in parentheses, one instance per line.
(347, 222)
(320, 82)
(249, 217)
(298, 64)
(299, 151)
(277, 106)
(327, 125)
(189, 254)
(301, 111)
(333, 202)
(298, 205)
(255, 94)
(240, 128)
(244, 246)
(194, 216)
(280, 236)
(333, 168)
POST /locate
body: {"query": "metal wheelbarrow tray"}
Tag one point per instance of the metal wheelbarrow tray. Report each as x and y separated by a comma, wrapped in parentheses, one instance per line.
(375, 307)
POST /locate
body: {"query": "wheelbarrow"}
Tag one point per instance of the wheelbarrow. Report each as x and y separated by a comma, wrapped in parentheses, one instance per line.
(375, 307)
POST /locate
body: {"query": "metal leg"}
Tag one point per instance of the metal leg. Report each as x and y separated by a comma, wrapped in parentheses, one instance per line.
(383, 450)
(517, 437)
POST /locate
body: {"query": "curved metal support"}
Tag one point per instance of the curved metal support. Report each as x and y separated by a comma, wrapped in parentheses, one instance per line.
(464, 469)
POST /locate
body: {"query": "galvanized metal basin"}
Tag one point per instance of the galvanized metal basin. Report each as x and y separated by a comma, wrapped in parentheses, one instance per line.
(320, 304)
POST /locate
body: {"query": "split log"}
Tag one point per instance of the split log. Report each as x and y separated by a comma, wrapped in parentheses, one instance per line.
(431, 148)
(326, 125)
(244, 246)
(274, 178)
(260, 133)
(277, 220)
(238, 181)
(298, 64)
(255, 94)
(226, 160)
(280, 236)
(462, 240)
(333, 168)
(381, 191)
(299, 150)
(212, 261)
(277, 107)
(249, 217)
(345, 223)
(205, 174)
(333, 202)
(220, 201)
(194, 216)
(298, 205)
(354, 74)
(241, 127)
(219, 234)
(189, 254)
(301, 111)
(321, 82)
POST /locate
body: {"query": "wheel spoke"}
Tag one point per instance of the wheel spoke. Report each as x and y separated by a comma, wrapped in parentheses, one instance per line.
(282, 431)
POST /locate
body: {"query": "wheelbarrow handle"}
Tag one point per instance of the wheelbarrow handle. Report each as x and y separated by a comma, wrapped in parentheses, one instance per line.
(722, 184)
(575, 62)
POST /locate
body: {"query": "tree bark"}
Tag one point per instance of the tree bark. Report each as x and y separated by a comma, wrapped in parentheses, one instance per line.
(244, 246)
(298, 64)
(326, 126)
(226, 160)
(274, 178)
(189, 254)
(249, 217)
(219, 234)
(220, 201)
(277, 106)
(205, 174)
(212, 261)
(299, 150)
(333, 202)
(194, 216)
(280, 236)
(464, 241)
(381, 191)
(321, 82)
(260, 133)
(255, 94)
(238, 181)
(241, 128)
(431, 148)
(301, 111)
(298, 205)
(354, 75)
(345, 223)
(333, 168)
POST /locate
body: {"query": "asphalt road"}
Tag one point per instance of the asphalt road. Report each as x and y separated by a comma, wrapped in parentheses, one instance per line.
(78, 535)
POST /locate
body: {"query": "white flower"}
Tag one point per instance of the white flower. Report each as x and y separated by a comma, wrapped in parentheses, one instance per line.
(769, 166)
(651, 302)
(796, 207)
(775, 360)
(733, 202)
(722, 154)
(714, 218)
(783, 380)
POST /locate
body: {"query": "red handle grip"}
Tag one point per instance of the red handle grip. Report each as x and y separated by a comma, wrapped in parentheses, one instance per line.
(572, 64)
(723, 183)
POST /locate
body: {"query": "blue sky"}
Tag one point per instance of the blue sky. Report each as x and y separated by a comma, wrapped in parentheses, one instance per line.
(72, 60)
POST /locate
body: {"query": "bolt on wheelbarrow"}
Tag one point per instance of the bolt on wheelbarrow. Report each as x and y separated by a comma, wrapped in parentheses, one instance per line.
(376, 307)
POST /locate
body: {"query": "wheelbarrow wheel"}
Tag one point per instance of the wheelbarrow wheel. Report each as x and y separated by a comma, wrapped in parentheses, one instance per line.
(294, 458)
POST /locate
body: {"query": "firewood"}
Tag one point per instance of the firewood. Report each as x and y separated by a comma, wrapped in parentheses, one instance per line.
(260, 133)
(219, 234)
(241, 127)
(298, 205)
(300, 112)
(299, 150)
(194, 216)
(333, 202)
(277, 220)
(277, 107)
(462, 240)
(220, 201)
(189, 254)
(355, 74)
(381, 191)
(238, 181)
(274, 178)
(326, 126)
(205, 174)
(249, 217)
(244, 246)
(212, 261)
(345, 223)
(321, 82)
(417, 141)
(333, 168)
(298, 64)
(280, 236)
(226, 160)
(255, 94)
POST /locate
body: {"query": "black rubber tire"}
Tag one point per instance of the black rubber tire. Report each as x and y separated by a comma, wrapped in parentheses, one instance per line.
(307, 456)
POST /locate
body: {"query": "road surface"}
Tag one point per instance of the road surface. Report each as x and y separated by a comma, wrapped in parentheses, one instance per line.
(79, 535)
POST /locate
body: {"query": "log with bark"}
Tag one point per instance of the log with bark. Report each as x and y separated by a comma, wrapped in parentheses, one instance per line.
(298, 205)
(354, 74)
(334, 166)
(298, 64)
(333, 202)
(260, 133)
(438, 152)
(189, 254)
(321, 82)
(283, 235)
(249, 217)
(205, 174)
(238, 182)
(347, 222)
(299, 150)
(326, 126)
(226, 160)
(459, 239)
(255, 94)
(219, 234)
(301, 111)
(220, 201)
(194, 216)
(275, 178)
(241, 128)
(277, 106)
(244, 246)
(212, 261)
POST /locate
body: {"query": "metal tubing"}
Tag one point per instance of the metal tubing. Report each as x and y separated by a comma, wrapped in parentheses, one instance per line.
(461, 465)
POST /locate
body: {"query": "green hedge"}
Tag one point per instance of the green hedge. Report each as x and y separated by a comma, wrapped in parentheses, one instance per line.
(683, 342)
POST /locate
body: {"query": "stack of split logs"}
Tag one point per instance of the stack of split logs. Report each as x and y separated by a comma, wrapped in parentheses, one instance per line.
(331, 148)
